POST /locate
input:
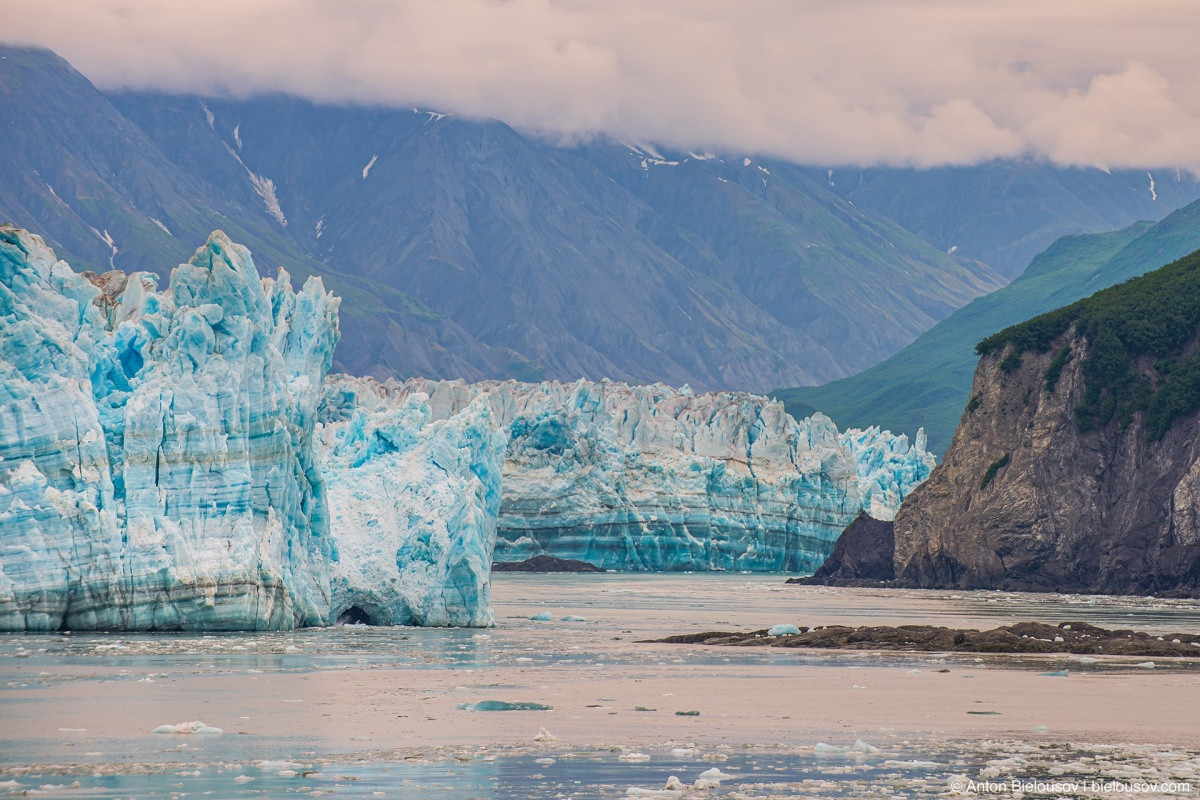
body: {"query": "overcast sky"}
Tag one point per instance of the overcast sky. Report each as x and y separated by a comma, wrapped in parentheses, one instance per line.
(1090, 82)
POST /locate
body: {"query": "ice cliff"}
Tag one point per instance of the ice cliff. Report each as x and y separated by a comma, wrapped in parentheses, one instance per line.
(161, 465)
(156, 463)
(654, 478)
(414, 503)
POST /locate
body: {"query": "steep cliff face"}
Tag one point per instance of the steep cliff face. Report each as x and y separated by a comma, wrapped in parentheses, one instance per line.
(1076, 465)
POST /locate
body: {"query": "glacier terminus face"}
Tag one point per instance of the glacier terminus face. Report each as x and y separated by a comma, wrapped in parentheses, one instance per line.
(157, 464)
(180, 460)
(655, 478)
(160, 465)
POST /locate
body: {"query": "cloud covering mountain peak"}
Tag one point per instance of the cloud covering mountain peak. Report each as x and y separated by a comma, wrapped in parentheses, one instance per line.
(1104, 84)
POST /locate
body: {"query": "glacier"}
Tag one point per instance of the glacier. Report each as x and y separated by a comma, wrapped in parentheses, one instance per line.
(415, 504)
(656, 478)
(162, 467)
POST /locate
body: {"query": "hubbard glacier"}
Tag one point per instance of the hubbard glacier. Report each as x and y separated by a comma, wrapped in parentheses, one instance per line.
(181, 460)
(655, 478)
(159, 467)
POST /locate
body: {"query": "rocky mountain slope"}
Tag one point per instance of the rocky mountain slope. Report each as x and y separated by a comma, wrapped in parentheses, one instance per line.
(928, 382)
(1076, 465)
(1005, 213)
(466, 249)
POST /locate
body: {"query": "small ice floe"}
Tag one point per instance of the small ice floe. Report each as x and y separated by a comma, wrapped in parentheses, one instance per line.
(783, 629)
(633, 757)
(272, 766)
(913, 764)
(542, 616)
(1145, 665)
(544, 735)
(711, 778)
(545, 761)
(684, 752)
(859, 747)
(1040, 728)
(1086, 660)
(195, 726)
(574, 618)
(1058, 673)
(501, 705)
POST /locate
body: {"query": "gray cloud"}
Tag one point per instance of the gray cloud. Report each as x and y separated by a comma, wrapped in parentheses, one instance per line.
(1105, 83)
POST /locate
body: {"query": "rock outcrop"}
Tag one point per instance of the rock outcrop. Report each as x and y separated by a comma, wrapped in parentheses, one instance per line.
(1076, 465)
(862, 555)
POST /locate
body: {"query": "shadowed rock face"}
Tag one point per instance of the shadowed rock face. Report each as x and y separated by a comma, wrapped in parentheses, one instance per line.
(1024, 501)
(861, 556)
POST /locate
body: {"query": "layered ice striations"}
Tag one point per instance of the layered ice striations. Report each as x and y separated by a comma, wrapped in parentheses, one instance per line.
(414, 503)
(177, 460)
(156, 460)
(654, 478)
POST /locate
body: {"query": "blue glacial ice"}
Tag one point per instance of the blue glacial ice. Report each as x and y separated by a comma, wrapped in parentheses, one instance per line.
(414, 503)
(655, 478)
(161, 465)
(156, 464)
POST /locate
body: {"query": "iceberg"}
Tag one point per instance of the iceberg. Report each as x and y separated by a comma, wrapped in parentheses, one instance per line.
(162, 466)
(656, 478)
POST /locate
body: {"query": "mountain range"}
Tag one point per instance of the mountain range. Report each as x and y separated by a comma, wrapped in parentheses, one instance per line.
(928, 382)
(465, 248)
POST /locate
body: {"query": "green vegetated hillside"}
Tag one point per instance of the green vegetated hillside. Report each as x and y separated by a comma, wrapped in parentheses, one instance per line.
(1152, 318)
(927, 383)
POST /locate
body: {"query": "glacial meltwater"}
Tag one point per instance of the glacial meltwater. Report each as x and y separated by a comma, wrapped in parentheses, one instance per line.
(578, 705)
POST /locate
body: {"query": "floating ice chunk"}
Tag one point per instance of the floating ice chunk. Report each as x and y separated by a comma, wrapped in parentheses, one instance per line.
(911, 764)
(633, 757)
(1087, 660)
(275, 765)
(783, 629)
(544, 735)
(501, 705)
(574, 618)
(542, 616)
(195, 726)
(545, 761)
(1058, 673)
(674, 784)
(859, 747)
(714, 774)
(1145, 665)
